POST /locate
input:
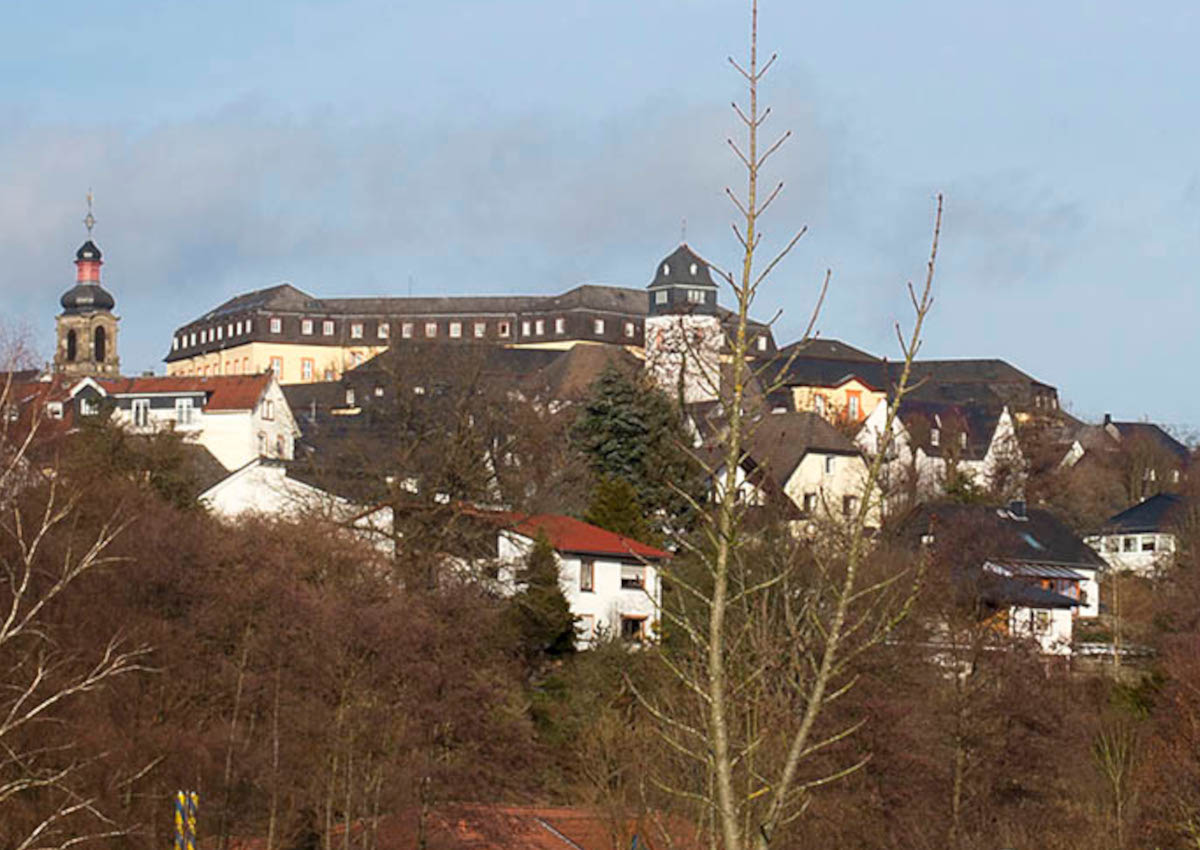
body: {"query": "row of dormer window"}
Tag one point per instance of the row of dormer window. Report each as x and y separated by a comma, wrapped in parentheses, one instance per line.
(694, 296)
(217, 333)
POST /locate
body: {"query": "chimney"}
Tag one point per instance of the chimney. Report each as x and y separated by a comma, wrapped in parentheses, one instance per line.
(1107, 419)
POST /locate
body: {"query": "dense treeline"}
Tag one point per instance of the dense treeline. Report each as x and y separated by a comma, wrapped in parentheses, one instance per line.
(284, 672)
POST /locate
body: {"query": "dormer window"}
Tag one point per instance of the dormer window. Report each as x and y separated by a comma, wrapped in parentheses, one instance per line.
(327, 328)
(630, 329)
(54, 410)
(503, 329)
(762, 343)
(356, 330)
(480, 329)
(88, 407)
(384, 330)
(455, 330)
(276, 325)
(539, 327)
(693, 268)
(598, 326)
(962, 440)
(560, 326)
(935, 437)
(239, 328)
(695, 296)
(660, 297)
(406, 330)
(666, 270)
(306, 327)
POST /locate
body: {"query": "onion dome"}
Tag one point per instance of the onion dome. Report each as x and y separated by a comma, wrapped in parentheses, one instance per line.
(87, 295)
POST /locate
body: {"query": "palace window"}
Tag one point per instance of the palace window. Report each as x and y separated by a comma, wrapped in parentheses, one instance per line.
(560, 326)
(327, 327)
(220, 333)
(480, 330)
(276, 325)
(431, 329)
(630, 329)
(695, 296)
(598, 326)
(356, 330)
(503, 329)
(384, 330)
(539, 327)
(306, 368)
(406, 330)
(456, 330)
(526, 329)
(661, 296)
(239, 328)
(248, 326)
(306, 327)
(277, 367)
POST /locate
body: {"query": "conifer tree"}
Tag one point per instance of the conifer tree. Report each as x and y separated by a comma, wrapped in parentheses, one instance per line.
(614, 506)
(540, 613)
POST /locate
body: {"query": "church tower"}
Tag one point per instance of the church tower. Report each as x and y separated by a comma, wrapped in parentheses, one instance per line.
(683, 332)
(87, 327)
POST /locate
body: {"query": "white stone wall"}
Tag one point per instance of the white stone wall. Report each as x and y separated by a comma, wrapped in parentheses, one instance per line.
(687, 344)
(1052, 628)
(1129, 551)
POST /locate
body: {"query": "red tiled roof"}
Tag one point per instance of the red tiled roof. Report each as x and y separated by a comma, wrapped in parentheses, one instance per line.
(223, 392)
(572, 535)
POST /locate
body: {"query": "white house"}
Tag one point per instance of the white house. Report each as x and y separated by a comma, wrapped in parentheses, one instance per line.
(1141, 539)
(803, 458)
(611, 582)
(933, 440)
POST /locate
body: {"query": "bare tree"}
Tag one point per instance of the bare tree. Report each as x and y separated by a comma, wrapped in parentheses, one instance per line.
(42, 559)
(770, 634)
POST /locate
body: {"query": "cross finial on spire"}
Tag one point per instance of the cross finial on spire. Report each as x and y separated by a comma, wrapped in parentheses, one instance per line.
(683, 232)
(89, 220)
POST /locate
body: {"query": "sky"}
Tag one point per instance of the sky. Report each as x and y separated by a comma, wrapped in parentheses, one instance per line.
(465, 147)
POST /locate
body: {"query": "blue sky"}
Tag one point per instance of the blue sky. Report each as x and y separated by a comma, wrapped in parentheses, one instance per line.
(475, 147)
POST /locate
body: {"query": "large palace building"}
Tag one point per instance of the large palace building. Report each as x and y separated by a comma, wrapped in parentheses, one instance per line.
(303, 338)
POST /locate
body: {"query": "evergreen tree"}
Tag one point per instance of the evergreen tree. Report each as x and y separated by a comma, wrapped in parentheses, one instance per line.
(614, 505)
(629, 430)
(539, 612)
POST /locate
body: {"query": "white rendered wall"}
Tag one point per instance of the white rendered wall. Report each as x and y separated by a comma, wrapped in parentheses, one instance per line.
(688, 344)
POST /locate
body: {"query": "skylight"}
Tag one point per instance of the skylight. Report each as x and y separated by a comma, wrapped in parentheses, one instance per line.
(1032, 541)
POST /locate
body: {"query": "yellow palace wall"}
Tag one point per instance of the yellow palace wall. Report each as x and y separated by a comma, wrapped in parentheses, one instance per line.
(835, 404)
(325, 362)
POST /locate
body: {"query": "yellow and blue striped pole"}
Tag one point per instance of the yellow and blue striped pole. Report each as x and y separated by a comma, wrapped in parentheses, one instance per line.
(180, 802)
(193, 802)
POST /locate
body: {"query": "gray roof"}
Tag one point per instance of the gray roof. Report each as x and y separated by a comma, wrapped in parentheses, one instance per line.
(1158, 513)
(828, 349)
(682, 267)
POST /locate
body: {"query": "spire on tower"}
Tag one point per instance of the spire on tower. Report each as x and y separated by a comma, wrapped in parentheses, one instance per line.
(89, 220)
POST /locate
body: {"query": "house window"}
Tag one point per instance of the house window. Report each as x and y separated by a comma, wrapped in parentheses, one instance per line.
(406, 330)
(276, 325)
(455, 330)
(277, 367)
(349, 396)
(503, 329)
(262, 443)
(141, 412)
(633, 628)
(935, 437)
(598, 326)
(356, 330)
(327, 327)
(849, 506)
(586, 628)
(630, 329)
(184, 412)
(1129, 544)
(1147, 544)
(384, 330)
(762, 343)
(539, 327)
(1174, 476)
(819, 404)
(660, 297)
(526, 329)
(431, 329)
(633, 577)
(306, 368)
(268, 411)
(810, 503)
(1039, 622)
(306, 327)
(356, 358)
(962, 439)
(54, 410)
(695, 296)
(829, 464)
(852, 406)
(560, 326)
(587, 575)
(378, 392)
(480, 329)
(279, 445)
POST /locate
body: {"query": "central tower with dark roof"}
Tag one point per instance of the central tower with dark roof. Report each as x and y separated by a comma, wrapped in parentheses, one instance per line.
(683, 331)
(87, 326)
